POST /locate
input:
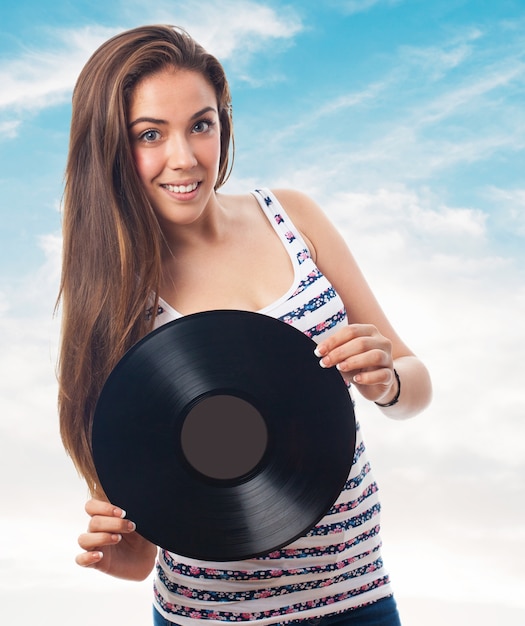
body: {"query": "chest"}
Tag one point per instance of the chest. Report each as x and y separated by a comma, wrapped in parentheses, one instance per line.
(248, 271)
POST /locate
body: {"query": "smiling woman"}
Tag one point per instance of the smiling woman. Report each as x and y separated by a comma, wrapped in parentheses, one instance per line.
(149, 238)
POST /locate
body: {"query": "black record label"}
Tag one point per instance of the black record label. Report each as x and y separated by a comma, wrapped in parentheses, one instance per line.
(222, 437)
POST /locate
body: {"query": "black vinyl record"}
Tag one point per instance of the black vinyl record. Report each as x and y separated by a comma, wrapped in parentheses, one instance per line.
(222, 437)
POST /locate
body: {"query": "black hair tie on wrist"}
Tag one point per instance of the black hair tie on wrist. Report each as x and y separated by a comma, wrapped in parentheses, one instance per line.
(395, 399)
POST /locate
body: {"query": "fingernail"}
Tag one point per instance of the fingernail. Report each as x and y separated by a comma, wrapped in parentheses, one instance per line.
(116, 537)
(119, 512)
(132, 526)
(317, 351)
(96, 556)
(322, 364)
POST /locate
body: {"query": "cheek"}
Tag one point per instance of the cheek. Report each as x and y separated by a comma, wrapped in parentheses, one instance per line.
(145, 164)
(213, 154)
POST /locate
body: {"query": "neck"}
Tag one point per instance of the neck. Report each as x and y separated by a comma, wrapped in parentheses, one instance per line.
(206, 230)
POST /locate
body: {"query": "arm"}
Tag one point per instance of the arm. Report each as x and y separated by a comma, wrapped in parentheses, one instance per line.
(368, 349)
(112, 544)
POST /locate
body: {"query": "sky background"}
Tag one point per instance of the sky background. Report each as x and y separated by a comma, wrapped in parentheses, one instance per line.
(405, 120)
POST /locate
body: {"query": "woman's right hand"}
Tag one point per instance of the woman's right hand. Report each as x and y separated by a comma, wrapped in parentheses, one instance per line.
(112, 545)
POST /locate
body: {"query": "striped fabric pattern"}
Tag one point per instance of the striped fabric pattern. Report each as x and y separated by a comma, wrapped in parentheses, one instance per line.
(337, 565)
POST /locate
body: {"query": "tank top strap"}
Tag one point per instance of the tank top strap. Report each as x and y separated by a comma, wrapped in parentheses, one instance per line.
(283, 225)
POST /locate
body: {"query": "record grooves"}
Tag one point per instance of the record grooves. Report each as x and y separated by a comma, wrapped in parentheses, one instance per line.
(222, 437)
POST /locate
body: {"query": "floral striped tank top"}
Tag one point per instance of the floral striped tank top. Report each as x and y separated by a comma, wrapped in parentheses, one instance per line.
(337, 565)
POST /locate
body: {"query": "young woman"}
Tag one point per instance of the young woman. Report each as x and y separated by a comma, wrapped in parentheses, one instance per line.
(148, 238)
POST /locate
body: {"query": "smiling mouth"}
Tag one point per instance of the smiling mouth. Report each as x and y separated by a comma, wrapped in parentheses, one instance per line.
(181, 188)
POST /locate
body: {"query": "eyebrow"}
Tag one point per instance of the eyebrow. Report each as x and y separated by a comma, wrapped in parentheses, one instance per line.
(154, 120)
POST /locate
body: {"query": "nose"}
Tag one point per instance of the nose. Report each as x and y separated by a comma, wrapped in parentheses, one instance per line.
(180, 153)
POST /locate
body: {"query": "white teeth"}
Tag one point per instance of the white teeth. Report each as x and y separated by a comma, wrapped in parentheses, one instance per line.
(182, 188)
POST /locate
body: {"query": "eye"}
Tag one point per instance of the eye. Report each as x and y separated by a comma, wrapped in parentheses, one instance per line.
(149, 136)
(203, 126)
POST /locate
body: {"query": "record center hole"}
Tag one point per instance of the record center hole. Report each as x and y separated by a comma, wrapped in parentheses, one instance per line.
(224, 437)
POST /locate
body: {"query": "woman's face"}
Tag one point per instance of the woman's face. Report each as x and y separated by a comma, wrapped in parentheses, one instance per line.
(174, 132)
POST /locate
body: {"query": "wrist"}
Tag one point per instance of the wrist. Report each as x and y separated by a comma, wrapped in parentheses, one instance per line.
(395, 399)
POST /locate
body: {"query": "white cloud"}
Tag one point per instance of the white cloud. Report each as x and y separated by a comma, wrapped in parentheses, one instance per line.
(44, 77)
(29, 335)
(332, 109)
(404, 210)
(40, 78)
(436, 61)
(470, 93)
(418, 125)
(359, 6)
(9, 129)
(233, 30)
(511, 208)
(237, 29)
(403, 152)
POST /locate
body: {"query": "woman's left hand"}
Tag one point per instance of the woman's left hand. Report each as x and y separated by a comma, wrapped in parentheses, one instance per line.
(364, 357)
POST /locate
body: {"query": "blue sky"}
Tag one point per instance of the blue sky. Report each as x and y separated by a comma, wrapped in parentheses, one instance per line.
(436, 86)
(405, 120)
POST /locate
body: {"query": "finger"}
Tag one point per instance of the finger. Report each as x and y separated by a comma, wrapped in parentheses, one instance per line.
(346, 334)
(107, 517)
(100, 523)
(368, 361)
(93, 541)
(89, 559)
(101, 507)
(360, 352)
(352, 340)
(383, 376)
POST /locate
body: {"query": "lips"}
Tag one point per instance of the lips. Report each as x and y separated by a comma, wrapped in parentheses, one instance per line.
(181, 188)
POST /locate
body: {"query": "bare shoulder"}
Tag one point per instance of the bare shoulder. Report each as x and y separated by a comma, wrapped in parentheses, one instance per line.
(307, 216)
(327, 246)
(295, 202)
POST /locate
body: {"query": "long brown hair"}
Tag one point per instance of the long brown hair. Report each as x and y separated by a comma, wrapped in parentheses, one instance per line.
(112, 242)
